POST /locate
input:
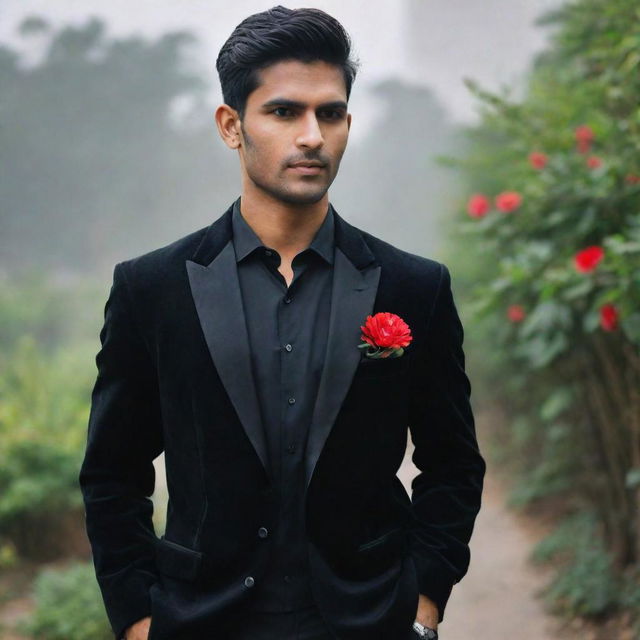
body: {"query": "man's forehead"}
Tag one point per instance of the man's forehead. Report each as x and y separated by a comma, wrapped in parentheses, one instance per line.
(316, 82)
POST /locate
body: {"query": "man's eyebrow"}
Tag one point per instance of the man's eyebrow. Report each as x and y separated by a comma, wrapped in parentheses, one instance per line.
(295, 104)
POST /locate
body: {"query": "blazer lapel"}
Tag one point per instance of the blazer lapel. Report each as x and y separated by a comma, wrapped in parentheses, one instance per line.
(215, 288)
(353, 295)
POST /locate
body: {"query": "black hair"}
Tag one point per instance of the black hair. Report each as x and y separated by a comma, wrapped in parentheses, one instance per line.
(275, 35)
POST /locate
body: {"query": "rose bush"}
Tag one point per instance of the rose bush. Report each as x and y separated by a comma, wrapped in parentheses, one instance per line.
(555, 285)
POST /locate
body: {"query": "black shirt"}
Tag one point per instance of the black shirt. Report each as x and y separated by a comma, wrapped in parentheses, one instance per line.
(287, 329)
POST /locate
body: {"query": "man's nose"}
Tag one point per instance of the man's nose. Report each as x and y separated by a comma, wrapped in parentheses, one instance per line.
(310, 134)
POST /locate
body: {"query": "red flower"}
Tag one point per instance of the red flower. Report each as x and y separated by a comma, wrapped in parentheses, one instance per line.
(538, 160)
(584, 137)
(631, 178)
(584, 133)
(584, 147)
(593, 162)
(608, 317)
(508, 201)
(478, 205)
(588, 259)
(516, 313)
(385, 331)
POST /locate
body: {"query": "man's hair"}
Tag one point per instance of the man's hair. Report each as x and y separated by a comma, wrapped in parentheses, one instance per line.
(276, 35)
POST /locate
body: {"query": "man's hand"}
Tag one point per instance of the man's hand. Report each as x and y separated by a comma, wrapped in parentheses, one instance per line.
(138, 630)
(427, 612)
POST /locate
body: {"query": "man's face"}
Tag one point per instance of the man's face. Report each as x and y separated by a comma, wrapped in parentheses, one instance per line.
(295, 130)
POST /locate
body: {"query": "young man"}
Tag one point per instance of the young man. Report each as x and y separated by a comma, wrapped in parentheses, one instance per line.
(251, 352)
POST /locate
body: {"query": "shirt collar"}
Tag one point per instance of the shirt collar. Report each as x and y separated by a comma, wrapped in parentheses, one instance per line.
(245, 239)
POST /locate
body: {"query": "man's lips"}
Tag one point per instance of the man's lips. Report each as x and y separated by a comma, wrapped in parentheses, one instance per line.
(310, 168)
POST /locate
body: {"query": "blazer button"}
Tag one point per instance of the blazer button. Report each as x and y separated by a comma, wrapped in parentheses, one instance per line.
(249, 581)
(262, 532)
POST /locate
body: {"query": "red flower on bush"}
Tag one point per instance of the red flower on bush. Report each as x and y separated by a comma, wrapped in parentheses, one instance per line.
(516, 313)
(508, 201)
(584, 137)
(608, 317)
(588, 259)
(593, 162)
(478, 205)
(538, 160)
(632, 178)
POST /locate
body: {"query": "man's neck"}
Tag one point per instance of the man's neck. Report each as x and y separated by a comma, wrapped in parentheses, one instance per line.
(287, 228)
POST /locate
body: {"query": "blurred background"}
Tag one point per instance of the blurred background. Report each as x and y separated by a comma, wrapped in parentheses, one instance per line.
(501, 137)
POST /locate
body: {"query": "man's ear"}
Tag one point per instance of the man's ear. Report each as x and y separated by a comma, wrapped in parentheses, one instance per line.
(228, 123)
(348, 121)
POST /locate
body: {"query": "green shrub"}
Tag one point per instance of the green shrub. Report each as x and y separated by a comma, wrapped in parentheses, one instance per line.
(545, 246)
(44, 408)
(68, 606)
(586, 583)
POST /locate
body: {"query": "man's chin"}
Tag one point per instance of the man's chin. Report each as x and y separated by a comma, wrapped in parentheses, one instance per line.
(301, 197)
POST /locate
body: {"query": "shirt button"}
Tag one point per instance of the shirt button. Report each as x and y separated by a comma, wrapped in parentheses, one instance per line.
(292, 400)
(288, 347)
(267, 252)
(249, 581)
(288, 579)
(263, 532)
(287, 300)
(291, 448)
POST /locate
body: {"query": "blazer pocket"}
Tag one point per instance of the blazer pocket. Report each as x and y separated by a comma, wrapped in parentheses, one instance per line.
(177, 561)
(389, 537)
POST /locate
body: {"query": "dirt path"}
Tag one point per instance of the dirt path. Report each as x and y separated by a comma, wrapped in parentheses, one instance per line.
(496, 600)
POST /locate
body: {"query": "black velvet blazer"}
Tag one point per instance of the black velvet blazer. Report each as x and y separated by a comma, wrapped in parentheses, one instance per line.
(174, 375)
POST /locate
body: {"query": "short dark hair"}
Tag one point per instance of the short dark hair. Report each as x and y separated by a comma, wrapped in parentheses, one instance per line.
(275, 35)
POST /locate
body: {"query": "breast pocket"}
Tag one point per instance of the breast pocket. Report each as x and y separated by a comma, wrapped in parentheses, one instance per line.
(381, 367)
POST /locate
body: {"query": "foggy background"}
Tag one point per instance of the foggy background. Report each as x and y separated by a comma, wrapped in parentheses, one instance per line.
(109, 148)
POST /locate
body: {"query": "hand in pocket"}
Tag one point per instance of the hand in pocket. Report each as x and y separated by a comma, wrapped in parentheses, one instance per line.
(138, 630)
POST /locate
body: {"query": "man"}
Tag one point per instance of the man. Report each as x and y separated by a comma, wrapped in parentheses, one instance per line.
(277, 357)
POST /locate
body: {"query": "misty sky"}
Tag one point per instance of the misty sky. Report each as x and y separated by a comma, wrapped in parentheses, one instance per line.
(435, 42)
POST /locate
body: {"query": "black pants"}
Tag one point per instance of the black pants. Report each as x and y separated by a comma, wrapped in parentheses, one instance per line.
(305, 624)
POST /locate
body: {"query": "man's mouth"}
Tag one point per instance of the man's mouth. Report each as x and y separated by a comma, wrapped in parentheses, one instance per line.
(307, 168)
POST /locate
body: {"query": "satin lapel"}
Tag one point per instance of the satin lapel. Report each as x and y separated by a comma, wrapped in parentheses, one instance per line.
(216, 293)
(352, 300)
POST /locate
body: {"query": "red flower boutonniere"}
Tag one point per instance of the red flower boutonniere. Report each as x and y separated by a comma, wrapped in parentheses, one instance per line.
(385, 335)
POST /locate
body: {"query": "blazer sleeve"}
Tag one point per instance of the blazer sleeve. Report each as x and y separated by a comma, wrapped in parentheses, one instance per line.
(446, 493)
(117, 476)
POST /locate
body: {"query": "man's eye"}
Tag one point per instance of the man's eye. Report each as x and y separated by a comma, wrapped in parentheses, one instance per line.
(282, 111)
(332, 114)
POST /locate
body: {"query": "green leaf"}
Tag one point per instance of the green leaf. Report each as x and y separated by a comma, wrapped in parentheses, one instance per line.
(632, 479)
(557, 402)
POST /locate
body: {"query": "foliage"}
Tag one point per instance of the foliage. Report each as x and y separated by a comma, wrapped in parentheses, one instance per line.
(68, 606)
(550, 267)
(587, 583)
(45, 384)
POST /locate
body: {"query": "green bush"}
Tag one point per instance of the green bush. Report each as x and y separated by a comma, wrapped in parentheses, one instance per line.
(44, 408)
(68, 606)
(586, 582)
(546, 250)
(46, 373)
